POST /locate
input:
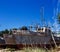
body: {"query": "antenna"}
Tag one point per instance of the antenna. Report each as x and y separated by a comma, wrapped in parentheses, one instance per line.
(42, 16)
(36, 26)
(30, 27)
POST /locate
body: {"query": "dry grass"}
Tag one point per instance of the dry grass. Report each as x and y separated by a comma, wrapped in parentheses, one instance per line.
(30, 50)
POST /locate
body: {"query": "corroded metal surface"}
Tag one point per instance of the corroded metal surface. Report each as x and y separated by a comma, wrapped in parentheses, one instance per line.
(30, 39)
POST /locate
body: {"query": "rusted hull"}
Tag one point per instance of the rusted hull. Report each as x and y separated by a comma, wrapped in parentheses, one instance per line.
(20, 46)
(3, 46)
(34, 45)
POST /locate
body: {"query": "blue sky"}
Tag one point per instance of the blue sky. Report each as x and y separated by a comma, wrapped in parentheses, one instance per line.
(17, 13)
